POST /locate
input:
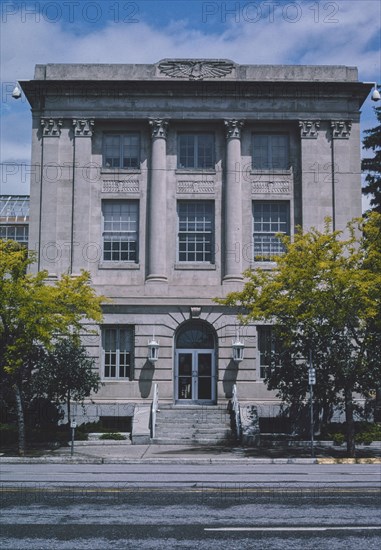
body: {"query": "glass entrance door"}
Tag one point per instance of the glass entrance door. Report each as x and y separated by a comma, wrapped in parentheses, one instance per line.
(185, 375)
(195, 376)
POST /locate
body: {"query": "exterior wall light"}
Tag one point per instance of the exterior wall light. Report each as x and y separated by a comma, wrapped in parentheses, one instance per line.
(238, 350)
(16, 93)
(376, 94)
(153, 350)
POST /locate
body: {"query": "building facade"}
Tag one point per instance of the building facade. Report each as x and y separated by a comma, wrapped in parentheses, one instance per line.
(166, 182)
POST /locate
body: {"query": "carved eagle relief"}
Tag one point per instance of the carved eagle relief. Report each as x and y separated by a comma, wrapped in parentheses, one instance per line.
(195, 69)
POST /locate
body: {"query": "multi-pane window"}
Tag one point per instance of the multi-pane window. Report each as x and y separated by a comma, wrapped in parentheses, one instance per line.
(118, 346)
(17, 233)
(269, 218)
(121, 150)
(120, 230)
(196, 231)
(270, 152)
(196, 151)
(266, 348)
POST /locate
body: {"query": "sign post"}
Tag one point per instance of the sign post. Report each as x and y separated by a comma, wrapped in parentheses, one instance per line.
(312, 382)
(73, 425)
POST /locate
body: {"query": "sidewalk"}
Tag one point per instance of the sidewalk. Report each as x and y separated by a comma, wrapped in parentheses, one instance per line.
(122, 453)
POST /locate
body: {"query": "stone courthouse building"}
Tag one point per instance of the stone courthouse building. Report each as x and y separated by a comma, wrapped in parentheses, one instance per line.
(166, 182)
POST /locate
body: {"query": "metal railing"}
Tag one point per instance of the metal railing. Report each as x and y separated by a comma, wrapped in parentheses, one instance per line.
(236, 411)
(154, 409)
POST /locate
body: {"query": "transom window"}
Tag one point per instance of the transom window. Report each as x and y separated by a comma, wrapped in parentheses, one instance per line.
(269, 218)
(118, 346)
(196, 151)
(270, 152)
(120, 230)
(121, 150)
(196, 231)
(195, 335)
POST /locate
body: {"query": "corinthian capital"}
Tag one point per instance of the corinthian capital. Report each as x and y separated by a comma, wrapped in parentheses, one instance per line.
(233, 128)
(83, 127)
(309, 128)
(341, 129)
(51, 127)
(159, 128)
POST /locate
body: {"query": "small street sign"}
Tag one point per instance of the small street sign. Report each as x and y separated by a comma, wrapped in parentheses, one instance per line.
(312, 377)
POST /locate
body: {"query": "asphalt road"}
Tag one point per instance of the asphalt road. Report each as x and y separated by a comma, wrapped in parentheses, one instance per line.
(151, 506)
(187, 475)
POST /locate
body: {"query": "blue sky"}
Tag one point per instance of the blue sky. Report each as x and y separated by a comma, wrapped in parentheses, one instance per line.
(343, 32)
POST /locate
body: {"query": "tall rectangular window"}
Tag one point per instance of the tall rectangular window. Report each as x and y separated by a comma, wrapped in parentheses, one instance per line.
(266, 348)
(120, 230)
(121, 150)
(269, 218)
(196, 151)
(118, 347)
(196, 231)
(270, 152)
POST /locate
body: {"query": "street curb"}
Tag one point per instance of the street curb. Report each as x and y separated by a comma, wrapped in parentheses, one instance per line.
(49, 460)
(184, 460)
(349, 460)
(77, 460)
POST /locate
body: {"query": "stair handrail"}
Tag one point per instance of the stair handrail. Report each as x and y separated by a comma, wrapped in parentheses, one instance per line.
(154, 409)
(236, 411)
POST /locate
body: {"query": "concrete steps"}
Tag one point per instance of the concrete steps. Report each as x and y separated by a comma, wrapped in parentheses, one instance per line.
(182, 425)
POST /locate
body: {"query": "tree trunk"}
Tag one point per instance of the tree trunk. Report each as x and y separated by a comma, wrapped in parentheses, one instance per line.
(377, 406)
(327, 415)
(323, 416)
(20, 419)
(351, 448)
(68, 407)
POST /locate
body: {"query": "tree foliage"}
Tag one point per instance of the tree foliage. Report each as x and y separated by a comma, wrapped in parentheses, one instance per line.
(33, 312)
(324, 296)
(372, 165)
(66, 373)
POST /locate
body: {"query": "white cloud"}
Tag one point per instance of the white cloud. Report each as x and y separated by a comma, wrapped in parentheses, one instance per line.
(346, 42)
(313, 39)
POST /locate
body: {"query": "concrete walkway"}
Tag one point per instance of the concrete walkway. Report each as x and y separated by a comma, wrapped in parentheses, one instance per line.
(190, 454)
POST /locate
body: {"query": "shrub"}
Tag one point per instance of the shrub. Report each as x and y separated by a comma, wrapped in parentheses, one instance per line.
(8, 434)
(115, 436)
(366, 433)
(90, 427)
(369, 433)
(42, 414)
(338, 438)
(80, 436)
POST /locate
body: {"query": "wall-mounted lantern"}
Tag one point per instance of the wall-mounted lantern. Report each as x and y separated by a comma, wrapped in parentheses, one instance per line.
(153, 350)
(238, 347)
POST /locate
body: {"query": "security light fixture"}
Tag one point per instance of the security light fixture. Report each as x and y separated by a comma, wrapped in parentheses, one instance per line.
(376, 94)
(16, 94)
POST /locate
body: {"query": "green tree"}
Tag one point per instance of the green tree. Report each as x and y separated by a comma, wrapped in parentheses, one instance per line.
(323, 297)
(372, 165)
(33, 312)
(66, 373)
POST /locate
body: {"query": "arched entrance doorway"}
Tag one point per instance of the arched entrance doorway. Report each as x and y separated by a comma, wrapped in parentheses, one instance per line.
(195, 363)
